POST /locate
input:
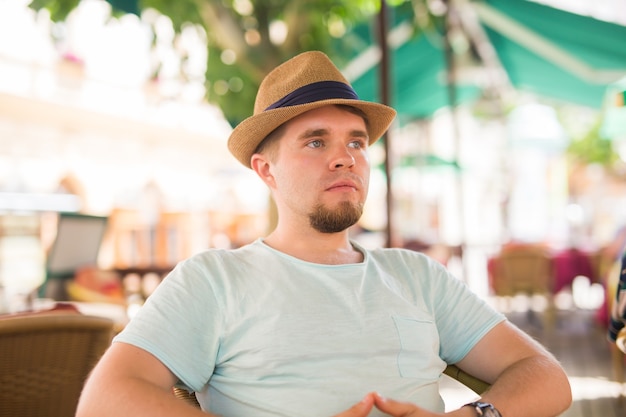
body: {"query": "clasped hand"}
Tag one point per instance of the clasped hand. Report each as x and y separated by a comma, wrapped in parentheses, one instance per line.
(387, 406)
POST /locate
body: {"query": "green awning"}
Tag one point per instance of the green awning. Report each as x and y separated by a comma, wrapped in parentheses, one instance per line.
(555, 53)
(547, 51)
(126, 6)
(418, 68)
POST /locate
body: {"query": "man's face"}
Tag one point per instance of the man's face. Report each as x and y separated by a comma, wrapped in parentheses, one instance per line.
(321, 168)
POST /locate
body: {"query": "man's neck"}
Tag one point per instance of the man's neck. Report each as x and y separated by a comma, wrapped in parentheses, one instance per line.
(315, 247)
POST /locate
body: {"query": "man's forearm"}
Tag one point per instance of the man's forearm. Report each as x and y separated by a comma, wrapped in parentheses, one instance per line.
(535, 386)
(134, 398)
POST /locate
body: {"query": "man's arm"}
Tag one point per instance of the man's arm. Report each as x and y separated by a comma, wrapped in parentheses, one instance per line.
(526, 379)
(129, 381)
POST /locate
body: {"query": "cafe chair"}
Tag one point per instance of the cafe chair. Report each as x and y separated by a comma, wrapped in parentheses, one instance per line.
(477, 385)
(186, 396)
(45, 359)
(525, 270)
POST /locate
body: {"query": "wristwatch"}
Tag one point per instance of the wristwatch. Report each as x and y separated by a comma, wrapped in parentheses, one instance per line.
(484, 409)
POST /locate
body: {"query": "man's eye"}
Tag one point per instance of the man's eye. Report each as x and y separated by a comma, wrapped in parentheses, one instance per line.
(315, 144)
(357, 144)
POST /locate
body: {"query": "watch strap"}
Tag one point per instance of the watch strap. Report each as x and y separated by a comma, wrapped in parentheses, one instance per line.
(484, 409)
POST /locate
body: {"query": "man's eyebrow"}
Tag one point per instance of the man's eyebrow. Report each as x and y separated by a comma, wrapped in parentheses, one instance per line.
(359, 134)
(309, 133)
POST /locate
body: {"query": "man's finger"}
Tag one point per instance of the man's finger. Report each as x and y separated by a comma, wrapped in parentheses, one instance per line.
(392, 407)
(360, 409)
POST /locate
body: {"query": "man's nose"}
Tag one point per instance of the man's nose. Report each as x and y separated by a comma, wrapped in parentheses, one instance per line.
(342, 158)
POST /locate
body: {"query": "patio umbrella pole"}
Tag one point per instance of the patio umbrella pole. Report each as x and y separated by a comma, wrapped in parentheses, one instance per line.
(450, 21)
(384, 94)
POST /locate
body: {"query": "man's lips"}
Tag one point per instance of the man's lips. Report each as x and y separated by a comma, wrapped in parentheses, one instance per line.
(343, 185)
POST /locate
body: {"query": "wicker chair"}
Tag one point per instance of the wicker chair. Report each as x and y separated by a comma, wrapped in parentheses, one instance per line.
(525, 270)
(45, 359)
(473, 383)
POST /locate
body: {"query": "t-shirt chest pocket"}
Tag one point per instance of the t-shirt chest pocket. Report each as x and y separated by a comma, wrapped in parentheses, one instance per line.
(419, 347)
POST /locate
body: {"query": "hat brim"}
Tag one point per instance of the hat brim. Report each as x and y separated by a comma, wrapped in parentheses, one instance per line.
(248, 134)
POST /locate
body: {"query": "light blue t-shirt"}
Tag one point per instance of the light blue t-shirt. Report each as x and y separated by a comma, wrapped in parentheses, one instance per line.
(260, 333)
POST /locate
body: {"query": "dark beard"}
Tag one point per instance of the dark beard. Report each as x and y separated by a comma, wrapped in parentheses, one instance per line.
(332, 221)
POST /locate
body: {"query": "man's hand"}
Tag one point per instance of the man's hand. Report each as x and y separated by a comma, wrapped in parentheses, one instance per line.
(361, 409)
(391, 407)
(397, 408)
(402, 409)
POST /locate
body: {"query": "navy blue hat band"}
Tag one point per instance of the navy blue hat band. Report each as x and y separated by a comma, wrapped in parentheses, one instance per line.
(310, 93)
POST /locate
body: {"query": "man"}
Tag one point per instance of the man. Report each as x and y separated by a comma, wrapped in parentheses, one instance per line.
(617, 319)
(305, 322)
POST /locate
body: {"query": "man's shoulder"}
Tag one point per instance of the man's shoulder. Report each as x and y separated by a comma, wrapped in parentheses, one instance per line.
(212, 256)
(395, 253)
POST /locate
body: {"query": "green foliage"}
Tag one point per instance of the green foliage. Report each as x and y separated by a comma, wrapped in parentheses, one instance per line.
(180, 12)
(246, 32)
(593, 149)
(59, 9)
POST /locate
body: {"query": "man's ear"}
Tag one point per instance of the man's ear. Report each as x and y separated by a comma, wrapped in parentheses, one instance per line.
(261, 166)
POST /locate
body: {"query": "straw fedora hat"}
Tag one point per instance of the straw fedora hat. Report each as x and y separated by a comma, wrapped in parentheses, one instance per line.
(305, 82)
